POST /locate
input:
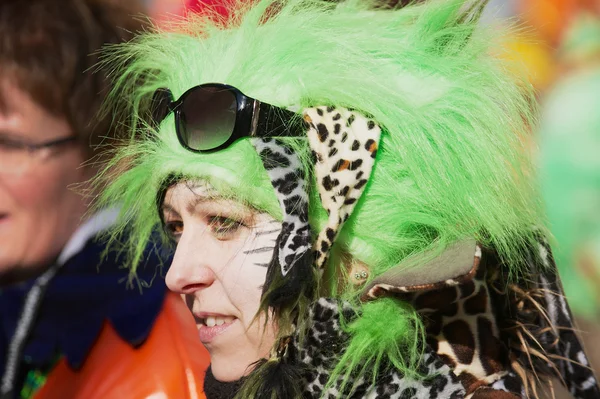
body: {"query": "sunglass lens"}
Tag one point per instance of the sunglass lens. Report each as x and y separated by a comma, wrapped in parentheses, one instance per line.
(159, 107)
(207, 118)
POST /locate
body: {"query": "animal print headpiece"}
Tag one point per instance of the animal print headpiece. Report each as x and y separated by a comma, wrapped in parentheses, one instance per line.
(344, 143)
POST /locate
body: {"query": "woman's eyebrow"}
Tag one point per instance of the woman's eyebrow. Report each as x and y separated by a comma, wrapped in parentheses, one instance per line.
(192, 185)
(192, 205)
(214, 199)
(166, 208)
(207, 199)
(8, 135)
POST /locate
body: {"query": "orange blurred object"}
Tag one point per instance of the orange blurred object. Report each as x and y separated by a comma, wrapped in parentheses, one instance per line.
(171, 363)
(551, 17)
(531, 58)
(548, 17)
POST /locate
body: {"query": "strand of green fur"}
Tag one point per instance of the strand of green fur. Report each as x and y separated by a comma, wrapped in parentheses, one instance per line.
(451, 163)
(387, 337)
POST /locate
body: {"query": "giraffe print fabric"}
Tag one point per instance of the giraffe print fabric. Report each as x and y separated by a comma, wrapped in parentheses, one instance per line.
(499, 336)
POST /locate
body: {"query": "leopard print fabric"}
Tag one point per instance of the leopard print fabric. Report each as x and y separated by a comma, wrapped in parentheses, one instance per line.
(345, 144)
(321, 349)
(287, 176)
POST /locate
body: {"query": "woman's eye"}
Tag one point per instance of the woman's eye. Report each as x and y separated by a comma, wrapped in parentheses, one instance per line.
(224, 228)
(174, 229)
(7, 145)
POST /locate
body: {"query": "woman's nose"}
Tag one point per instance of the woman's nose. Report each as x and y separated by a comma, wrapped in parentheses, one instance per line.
(189, 271)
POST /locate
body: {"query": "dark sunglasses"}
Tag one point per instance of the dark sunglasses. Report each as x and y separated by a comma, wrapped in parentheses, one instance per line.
(211, 117)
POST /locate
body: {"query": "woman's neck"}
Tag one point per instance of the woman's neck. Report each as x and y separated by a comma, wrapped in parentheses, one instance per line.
(215, 389)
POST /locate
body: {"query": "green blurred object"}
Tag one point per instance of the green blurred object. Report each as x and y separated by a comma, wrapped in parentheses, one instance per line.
(581, 42)
(35, 378)
(33, 382)
(570, 167)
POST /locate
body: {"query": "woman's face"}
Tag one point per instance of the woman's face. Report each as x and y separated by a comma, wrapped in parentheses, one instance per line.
(38, 210)
(220, 265)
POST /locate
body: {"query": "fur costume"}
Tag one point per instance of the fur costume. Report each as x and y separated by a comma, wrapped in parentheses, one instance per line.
(409, 162)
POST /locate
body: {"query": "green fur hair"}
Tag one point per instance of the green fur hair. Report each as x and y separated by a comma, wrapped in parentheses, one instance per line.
(451, 162)
(374, 343)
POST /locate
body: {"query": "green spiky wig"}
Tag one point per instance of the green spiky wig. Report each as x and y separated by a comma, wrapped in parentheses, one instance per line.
(451, 162)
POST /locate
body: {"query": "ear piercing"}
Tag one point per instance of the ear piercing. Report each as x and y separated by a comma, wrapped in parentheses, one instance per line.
(361, 275)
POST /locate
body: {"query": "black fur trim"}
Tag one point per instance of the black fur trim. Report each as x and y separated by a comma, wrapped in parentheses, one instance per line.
(277, 378)
(215, 389)
(282, 292)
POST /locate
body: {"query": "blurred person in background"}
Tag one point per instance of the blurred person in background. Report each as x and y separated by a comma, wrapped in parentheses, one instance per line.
(71, 324)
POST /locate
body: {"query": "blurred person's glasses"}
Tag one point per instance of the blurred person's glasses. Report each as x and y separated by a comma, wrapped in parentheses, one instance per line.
(17, 155)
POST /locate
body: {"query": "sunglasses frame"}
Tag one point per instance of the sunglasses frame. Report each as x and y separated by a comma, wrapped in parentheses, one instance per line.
(253, 118)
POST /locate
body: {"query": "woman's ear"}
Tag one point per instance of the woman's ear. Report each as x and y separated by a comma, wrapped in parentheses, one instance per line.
(348, 272)
(359, 273)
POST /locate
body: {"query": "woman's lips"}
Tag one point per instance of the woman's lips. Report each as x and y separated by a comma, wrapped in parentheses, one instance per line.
(207, 334)
(210, 325)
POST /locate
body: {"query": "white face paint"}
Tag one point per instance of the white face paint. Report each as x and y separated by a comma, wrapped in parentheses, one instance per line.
(220, 265)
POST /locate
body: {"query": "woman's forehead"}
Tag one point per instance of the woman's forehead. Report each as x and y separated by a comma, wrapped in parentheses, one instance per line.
(186, 190)
(23, 118)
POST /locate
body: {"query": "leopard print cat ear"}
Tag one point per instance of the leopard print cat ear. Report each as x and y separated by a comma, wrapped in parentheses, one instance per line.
(345, 144)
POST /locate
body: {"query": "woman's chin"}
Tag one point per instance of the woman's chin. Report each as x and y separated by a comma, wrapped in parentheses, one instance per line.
(236, 349)
(227, 371)
(234, 364)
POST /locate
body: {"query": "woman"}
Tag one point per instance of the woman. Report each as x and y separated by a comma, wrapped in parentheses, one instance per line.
(67, 311)
(350, 203)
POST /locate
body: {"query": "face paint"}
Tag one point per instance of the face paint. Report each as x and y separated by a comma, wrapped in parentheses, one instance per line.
(219, 268)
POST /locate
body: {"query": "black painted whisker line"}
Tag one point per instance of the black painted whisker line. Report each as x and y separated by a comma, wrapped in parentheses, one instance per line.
(262, 233)
(261, 264)
(259, 250)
